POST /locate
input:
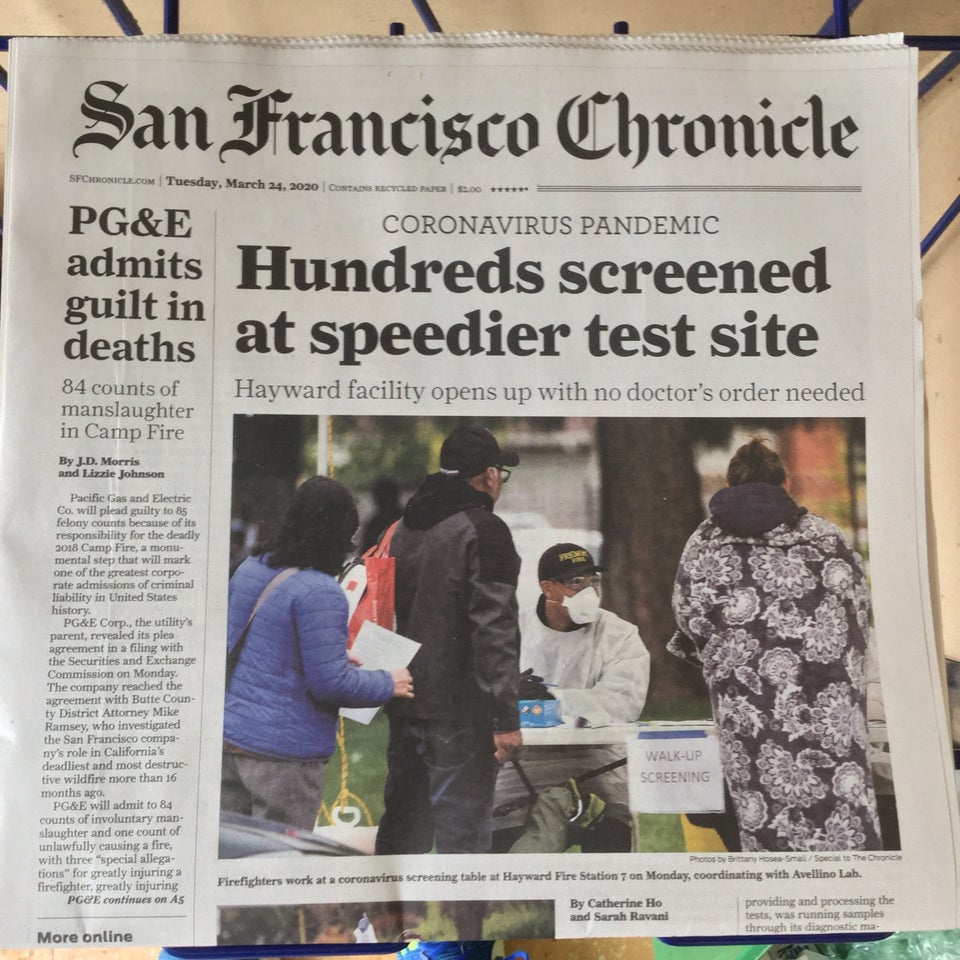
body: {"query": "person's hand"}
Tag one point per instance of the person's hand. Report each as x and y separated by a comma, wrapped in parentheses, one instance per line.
(354, 661)
(506, 746)
(402, 682)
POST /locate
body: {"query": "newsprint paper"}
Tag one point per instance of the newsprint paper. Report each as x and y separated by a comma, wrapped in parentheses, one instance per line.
(234, 265)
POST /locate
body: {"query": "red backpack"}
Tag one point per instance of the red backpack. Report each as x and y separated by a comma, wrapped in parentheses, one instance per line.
(368, 583)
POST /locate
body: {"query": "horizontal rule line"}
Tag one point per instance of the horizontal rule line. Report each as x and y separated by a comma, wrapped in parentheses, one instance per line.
(694, 188)
(122, 916)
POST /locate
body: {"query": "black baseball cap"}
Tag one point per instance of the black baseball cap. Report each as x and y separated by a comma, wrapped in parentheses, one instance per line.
(565, 560)
(468, 451)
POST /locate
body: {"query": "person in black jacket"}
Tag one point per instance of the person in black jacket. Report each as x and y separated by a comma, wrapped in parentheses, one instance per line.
(456, 578)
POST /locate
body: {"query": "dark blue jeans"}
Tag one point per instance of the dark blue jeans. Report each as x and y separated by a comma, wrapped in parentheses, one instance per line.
(439, 789)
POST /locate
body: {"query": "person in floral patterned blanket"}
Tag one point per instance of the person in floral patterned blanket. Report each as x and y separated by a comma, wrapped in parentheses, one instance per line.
(772, 605)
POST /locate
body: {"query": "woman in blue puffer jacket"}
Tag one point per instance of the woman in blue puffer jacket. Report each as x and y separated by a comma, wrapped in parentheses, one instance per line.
(293, 673)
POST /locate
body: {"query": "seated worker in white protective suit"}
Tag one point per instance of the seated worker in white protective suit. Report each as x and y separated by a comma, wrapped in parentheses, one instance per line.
(596, 666)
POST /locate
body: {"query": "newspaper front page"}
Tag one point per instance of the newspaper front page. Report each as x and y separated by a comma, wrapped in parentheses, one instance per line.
(232, 266)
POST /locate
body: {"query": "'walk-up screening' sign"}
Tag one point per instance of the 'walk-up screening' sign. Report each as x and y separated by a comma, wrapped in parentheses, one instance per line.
(675, 771)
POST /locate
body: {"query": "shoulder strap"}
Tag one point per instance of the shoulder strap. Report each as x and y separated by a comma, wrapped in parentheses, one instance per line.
(233, 656)
(382, 547)
(284, 574)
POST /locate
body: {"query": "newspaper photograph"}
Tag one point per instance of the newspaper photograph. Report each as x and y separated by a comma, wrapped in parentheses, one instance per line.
(465, 487)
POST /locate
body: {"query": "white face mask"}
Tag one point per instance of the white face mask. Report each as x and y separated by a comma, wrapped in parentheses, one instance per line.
(583, 606)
